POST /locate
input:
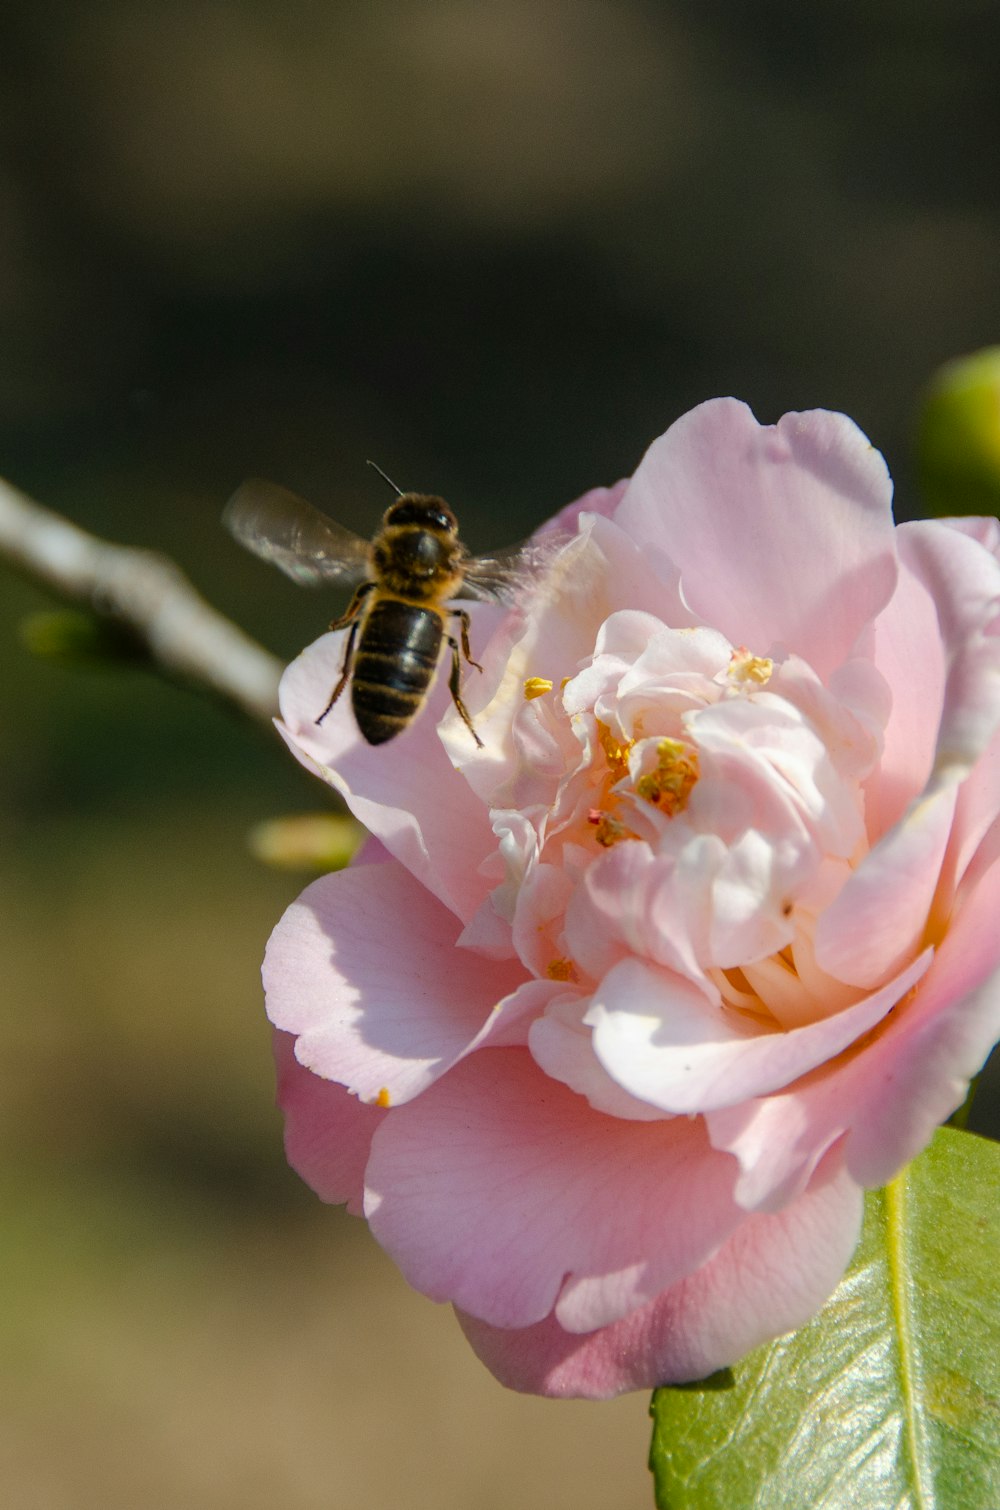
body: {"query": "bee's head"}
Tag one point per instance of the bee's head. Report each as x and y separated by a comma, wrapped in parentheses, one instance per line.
(424, 512)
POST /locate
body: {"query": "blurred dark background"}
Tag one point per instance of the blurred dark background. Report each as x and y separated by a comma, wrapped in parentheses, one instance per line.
(498, 248)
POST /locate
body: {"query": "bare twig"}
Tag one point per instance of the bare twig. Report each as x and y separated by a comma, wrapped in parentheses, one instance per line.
(148, 596)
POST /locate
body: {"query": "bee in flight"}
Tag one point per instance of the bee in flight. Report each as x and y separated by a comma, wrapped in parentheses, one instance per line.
(398, 618)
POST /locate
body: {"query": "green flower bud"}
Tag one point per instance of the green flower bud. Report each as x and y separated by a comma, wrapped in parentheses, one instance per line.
(958, 437)
(78, 639)
(308, 841)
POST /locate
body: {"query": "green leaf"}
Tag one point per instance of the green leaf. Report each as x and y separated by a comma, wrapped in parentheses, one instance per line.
(890, 1397)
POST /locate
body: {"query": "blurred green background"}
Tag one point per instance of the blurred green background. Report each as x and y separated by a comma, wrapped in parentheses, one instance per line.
(498, 248)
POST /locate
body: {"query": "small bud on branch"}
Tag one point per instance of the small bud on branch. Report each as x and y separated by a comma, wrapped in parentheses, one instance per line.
(147, 596)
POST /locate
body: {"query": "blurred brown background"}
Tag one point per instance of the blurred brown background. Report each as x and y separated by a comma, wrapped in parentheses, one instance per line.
(497, 247)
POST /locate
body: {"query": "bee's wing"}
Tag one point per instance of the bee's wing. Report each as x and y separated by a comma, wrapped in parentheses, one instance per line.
(508, 573)
(282, 528)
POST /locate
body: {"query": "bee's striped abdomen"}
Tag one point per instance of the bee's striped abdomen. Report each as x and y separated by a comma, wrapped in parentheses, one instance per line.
(394, 667)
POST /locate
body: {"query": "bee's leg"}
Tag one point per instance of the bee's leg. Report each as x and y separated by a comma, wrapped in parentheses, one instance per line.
(352, 618)
(354, 607)
(460, 613)
(345, 670)
(455, 682)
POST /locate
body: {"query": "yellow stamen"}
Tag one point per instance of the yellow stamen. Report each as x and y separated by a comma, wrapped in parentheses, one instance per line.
(536, 686)
(744, 667)
(615, 753)
(382, 1099)
(561, 969)
(669, 785)
(608, 830)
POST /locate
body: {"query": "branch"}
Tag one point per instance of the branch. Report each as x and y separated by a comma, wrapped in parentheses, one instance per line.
(147, 596)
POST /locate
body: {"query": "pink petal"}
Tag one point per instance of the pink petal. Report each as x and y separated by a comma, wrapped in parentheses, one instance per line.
(921, 1074)
(638, 660)
(385, 1021)
(499, 1189)
(783, 534)
(541, 906)
(770, 1277)
(964, 581)
(889, 1097)
(586, 584)
(601, 501)
(986, 531)
(877, 922)
(780, 1139)
(601, 571)
(328, 1132)
(661, 1039)
(976, 811)
(631, 901)
(562, 1045)
(952, 699)
(849, 715)
(909, 654)
(509, 1024)
(406, 792)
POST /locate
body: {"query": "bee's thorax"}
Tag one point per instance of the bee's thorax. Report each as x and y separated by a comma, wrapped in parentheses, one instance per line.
(416, 563)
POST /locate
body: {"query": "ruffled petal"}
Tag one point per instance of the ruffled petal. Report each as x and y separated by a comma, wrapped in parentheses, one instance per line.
(561, 1044)
(599, 572)
(384, 1021)
(601, 501)
(907, 650)
(783, 534)
(631, 902)
(770, 1277)
(909, 1085)
(964, 581)
(878, 920)
(977, 810)
(328, 1132)
(661, 1039)
(886, 1100)
(497, 1160)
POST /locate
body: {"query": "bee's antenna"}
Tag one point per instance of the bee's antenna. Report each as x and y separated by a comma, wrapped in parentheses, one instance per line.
(385, 478)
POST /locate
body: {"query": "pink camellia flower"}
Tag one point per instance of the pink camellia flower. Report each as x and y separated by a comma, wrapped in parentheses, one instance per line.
(616, 1017)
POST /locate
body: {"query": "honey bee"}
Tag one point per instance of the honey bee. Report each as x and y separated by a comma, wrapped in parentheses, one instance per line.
(398, 618)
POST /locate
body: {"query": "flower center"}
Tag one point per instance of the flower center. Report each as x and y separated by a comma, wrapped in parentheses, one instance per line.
(787, 989)
(668, 785)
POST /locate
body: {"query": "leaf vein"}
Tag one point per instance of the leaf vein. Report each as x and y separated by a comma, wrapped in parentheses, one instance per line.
(901, 1291)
